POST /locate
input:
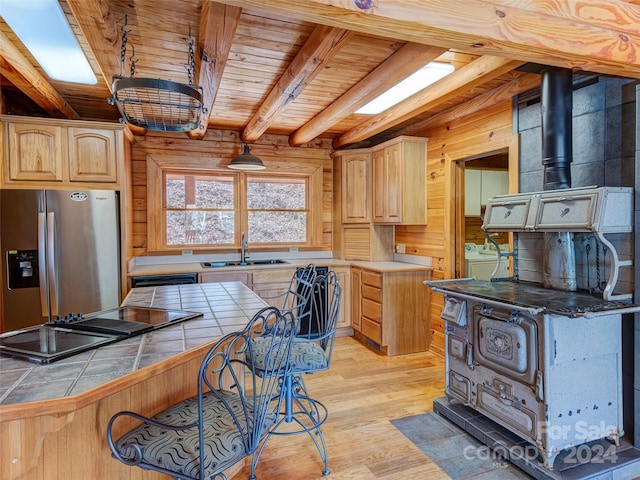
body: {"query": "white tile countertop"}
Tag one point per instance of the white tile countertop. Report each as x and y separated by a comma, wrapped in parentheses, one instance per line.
(226, 307)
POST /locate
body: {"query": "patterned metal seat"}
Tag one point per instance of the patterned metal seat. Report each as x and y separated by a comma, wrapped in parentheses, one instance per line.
(237, 404)
(311, 352)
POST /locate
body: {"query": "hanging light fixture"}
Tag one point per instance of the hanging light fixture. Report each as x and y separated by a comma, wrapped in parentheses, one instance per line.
(246, 161)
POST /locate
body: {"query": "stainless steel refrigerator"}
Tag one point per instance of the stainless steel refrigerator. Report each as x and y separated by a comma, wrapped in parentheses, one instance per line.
(61, 254)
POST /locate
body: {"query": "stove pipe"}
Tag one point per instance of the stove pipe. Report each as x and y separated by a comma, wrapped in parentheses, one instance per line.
(558, 265)
(557, 104)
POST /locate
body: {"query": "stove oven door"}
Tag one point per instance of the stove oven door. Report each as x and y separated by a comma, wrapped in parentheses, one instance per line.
(505, 341)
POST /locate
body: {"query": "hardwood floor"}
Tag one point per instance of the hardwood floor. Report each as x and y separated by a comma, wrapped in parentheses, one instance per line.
(363, 392)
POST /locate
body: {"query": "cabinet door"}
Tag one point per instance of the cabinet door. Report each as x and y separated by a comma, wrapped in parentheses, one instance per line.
(92, 155)
(387, 184)
(344, 314)
(472, 187)
(356, 188)
(393, 183)
(379, 186)
(355, 298)
(494, 182)
(36, 152)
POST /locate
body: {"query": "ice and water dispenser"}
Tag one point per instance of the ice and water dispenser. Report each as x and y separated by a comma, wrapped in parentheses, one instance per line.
(22, 269)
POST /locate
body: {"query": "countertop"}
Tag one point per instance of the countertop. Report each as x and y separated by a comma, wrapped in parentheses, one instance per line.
(195, 267)
(79, 379)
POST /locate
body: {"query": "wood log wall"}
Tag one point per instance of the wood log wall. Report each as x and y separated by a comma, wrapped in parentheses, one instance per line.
(220, 146)
(486, 131)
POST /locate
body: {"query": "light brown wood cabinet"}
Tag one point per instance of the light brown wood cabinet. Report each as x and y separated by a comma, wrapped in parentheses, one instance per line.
(400, 181)
(38, 152)
(367, 242)
(93, 155)
(390, 310)
(356, 183)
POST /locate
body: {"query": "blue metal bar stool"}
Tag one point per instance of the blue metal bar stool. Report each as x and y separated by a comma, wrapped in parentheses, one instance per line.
(311, 352)
(238, 402)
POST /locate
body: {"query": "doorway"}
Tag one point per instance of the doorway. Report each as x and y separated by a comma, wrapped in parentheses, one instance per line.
(479, 178)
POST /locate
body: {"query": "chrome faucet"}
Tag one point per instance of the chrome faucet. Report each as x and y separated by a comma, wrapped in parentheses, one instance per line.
(244, 251)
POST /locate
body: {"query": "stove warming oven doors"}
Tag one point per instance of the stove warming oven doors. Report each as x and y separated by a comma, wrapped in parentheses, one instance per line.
(534, 372)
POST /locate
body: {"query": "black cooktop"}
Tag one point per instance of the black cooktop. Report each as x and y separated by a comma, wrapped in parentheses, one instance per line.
(534, 296)
(124, 320)
(74, 334)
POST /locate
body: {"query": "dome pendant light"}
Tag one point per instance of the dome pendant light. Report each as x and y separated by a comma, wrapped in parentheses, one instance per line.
(246, 161)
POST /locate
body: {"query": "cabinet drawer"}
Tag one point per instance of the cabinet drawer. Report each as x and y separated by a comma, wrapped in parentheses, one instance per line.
(210, 277)
(373, 279)
(371, 309)
(269, 275)
(372, 293)
(371, 330)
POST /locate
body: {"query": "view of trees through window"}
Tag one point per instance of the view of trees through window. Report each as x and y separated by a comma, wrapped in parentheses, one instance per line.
(202, 209)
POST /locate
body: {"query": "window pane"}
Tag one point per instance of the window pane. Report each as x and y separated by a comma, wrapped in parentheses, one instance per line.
(199, 191)
(200, 228)
(214, 193)
(286, 194)
(175, 196)
(277, 227)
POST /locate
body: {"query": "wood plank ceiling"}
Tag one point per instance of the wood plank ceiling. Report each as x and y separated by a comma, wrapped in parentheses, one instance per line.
(303, 68)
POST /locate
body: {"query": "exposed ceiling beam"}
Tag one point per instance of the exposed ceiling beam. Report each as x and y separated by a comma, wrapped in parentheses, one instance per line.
(476, 73)
(598, 36)
(521, 83)
(396, 68)
(19, 71)
(218, 24)
(321, 46)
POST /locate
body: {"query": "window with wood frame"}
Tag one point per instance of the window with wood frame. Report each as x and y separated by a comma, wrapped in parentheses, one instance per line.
(200, 209)
(277, 209)
(208, 209)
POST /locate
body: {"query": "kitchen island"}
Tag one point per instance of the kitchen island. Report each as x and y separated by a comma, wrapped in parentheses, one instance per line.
(53, 417)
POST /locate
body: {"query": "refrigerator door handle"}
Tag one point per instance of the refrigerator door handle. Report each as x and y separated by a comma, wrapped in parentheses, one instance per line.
(51, 264)
(42, 258)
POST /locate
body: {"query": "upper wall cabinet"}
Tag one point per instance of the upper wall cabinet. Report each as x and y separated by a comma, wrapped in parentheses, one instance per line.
(400, 181)
(480, 185)
(356, 186)
(39, 152)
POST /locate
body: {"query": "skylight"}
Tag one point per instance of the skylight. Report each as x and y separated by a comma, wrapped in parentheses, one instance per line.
(44, 30)
(430, 73)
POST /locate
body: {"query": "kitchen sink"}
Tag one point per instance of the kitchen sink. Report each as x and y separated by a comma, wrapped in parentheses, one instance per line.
(236, 263)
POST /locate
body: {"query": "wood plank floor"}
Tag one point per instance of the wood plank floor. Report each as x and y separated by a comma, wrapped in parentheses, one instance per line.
(363, 392)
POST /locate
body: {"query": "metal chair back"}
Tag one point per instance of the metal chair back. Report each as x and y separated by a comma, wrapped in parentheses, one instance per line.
(229, 418)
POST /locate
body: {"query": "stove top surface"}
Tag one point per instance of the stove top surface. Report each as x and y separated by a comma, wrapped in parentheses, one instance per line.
(531, 295)
(74, 334)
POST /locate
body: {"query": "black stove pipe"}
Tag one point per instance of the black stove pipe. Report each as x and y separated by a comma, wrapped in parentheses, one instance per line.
(557, 105)
(558, 263)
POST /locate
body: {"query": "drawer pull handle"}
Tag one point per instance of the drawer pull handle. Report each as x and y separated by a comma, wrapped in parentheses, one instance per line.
(564, 212)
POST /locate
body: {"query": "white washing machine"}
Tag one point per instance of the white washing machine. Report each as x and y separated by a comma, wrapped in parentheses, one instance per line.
(480, 262)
